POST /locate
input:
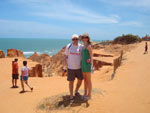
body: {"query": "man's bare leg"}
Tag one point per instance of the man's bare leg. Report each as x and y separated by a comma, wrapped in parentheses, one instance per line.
(71, 88)
(78, 85)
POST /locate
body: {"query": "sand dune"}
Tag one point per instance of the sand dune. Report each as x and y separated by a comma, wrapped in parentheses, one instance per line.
(128, 92)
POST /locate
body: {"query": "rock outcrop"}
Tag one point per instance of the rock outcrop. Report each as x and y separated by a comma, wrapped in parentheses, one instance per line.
(2, 54)
(98, 64)
(15, 53)
(55, 66)
(101, 55)
(97, 46)
(44, 59)
(36, 71)
(101, 58)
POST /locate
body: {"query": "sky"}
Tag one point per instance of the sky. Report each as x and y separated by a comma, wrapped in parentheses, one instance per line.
(102, 19)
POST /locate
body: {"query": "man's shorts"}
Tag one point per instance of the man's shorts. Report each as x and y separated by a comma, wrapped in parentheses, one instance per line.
(15, 76)
(73, 73)
(24, 78)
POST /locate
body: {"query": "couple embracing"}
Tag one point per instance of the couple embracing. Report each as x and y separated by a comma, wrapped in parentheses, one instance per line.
(79, 61)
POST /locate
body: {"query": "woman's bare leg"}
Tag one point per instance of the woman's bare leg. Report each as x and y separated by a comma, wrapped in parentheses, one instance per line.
(85, 84)
(89, 84)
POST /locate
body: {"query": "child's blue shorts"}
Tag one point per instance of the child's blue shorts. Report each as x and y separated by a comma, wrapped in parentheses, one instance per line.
(24, 78)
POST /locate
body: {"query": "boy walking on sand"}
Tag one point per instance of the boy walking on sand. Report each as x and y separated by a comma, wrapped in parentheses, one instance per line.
(15, 73)
(24, 76)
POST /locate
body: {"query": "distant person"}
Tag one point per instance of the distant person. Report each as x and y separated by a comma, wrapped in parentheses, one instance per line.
(15, 74)
(86, 66)
(24, 76)
(146, 48)
(73, 62)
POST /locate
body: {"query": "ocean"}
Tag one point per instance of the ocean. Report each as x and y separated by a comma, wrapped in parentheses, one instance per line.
(29, 46)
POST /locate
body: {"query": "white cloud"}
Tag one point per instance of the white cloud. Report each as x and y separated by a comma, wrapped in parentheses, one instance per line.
(29, 29)
(131, 23)
(134, 3)
(65, 10)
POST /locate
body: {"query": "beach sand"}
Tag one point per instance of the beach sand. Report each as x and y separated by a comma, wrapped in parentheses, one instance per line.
(128, 92)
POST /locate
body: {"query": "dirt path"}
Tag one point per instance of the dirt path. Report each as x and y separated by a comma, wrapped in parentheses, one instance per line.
(129, 92)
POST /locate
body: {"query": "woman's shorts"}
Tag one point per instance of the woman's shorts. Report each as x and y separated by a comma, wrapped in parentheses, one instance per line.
(24, 78)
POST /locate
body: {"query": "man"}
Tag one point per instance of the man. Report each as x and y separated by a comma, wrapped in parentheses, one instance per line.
(24, 77)
(15, 73)
(73, 60)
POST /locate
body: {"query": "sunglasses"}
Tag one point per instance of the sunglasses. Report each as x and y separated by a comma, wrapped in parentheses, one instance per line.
(74, 39)
(85, 37)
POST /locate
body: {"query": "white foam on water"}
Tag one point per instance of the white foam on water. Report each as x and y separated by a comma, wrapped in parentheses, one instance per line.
(49, 52)
(28, 53)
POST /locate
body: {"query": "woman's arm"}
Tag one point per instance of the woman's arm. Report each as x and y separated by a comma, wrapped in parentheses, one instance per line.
(89, 48)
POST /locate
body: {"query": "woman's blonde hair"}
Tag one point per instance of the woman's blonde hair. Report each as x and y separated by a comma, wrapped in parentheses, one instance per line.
(87, 35)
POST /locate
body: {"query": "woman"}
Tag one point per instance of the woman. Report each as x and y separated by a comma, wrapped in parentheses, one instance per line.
(86, 64)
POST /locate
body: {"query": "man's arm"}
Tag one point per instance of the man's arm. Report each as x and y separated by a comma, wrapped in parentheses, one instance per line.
(65, 62)
(65, 58)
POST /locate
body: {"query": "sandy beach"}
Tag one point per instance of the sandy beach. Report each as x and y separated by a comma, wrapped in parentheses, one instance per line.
(128, 92)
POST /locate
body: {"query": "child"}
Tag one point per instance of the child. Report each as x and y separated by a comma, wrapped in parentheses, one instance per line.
(15, 73)
(24, 76)
(146, 48)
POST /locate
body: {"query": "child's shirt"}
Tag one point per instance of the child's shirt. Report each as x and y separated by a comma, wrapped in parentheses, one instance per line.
(25, 69)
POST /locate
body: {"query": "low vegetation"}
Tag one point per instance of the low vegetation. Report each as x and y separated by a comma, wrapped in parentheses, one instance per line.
(127, 39)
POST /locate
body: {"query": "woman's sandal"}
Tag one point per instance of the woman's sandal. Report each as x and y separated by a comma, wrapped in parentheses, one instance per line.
(71, 99)
(85, 98)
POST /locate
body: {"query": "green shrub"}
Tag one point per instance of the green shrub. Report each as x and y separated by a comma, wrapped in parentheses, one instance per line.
(127, 39)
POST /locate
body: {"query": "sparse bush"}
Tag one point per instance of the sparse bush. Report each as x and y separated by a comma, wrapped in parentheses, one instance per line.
(106, 42)
(127, 39)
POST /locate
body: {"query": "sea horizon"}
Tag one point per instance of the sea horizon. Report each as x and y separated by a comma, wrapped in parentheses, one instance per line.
(31, 45)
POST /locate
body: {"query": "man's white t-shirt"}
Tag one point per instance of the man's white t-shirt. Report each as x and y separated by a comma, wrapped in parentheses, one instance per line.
(74, 56)
(25, 69)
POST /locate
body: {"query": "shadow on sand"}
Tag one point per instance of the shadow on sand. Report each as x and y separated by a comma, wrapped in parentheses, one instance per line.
(61, 102)
(77, 102)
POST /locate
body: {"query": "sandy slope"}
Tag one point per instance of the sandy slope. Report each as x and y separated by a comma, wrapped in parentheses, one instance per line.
(128, 92)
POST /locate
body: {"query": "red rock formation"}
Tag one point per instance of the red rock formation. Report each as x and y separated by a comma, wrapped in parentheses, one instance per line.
(97, 46)
(15, 53)
(98, 64)
(2, 54)
(55, 66)
(101, 55)
(36, 71)
(43, 58)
